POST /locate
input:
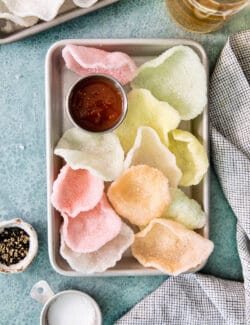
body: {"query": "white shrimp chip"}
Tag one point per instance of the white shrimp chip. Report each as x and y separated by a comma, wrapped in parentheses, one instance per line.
(45, 9)
(149, 150)
(140, 194)
(84, 3)
(101, 154)
(170, 247)
(190, 155)
(178, 77)
(5, 13)
(184, 210)
(102, 259)
(145, 110)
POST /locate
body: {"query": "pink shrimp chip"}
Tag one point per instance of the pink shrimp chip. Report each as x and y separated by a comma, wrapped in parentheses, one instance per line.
(76, 190)
(86, 60)
(92, 229)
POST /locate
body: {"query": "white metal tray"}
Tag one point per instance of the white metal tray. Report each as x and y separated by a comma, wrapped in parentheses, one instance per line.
(67, 12)
(58, 81)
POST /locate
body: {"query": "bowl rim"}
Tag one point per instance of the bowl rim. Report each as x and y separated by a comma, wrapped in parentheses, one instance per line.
(117, 85)
(33, 246)
(87, 297)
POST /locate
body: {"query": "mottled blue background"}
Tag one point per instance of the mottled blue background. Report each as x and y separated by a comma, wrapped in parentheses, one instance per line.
(22, 157)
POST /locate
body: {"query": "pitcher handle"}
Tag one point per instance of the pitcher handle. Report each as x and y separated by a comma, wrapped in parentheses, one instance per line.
(41, 292)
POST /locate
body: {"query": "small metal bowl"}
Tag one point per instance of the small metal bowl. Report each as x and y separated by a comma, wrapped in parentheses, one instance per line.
(106, 78)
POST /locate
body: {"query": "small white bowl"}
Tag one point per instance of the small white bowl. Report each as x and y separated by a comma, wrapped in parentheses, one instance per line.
(42, 293)
(33, 245)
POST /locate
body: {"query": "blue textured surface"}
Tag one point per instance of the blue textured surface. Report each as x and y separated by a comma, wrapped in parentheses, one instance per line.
(22, 158)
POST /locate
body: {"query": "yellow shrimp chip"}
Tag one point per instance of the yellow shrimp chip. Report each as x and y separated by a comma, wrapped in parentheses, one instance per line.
(178, 77)
(170, 247)
(140, 194)
(184, 210)
(190, 155)
(145, 109)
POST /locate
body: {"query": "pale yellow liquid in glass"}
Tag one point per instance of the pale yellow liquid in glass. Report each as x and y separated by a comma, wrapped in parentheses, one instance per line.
(203, 16)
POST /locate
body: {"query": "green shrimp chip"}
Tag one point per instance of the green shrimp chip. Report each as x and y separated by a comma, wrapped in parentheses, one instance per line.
(178, 77)
(184, 210)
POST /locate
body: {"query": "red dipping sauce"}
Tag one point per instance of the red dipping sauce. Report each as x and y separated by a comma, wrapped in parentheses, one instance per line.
(97, 103)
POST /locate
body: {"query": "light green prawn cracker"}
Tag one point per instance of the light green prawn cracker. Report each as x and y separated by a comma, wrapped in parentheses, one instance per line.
(178, 77)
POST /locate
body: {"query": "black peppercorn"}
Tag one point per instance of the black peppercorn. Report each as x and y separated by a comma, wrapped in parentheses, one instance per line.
(14, 245)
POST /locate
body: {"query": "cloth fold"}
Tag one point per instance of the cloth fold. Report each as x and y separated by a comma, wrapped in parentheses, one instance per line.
(203, 299)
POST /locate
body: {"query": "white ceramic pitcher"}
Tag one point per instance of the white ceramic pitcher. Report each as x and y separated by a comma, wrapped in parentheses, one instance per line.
(42, 293)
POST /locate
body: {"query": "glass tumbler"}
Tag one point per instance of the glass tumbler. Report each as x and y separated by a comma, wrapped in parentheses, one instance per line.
(203, 16)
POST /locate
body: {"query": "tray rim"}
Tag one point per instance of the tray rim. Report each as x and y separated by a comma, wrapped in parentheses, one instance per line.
(129, 41)
(61, 18)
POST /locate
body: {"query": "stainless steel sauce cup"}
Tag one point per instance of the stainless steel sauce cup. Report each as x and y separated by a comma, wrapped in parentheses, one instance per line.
(108, 79)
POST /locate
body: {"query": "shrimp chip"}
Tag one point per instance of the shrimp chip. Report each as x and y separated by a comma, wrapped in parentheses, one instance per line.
(184, 210)
(85, 60)
(45, 10)
(148, 150)
(102, 259)
(178, 77)
(140, 194)
(170, 247)
(76, 190)
(101, 154)
(92, 229)
(145, 110)
(84, 3)
(5, 13)
(190, 155)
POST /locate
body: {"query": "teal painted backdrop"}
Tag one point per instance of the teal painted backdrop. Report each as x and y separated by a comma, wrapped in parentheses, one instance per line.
(22, 157)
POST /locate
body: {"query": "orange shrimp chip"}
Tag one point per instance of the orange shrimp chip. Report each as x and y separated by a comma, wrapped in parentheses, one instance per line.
(140, 194)
(170, 247)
